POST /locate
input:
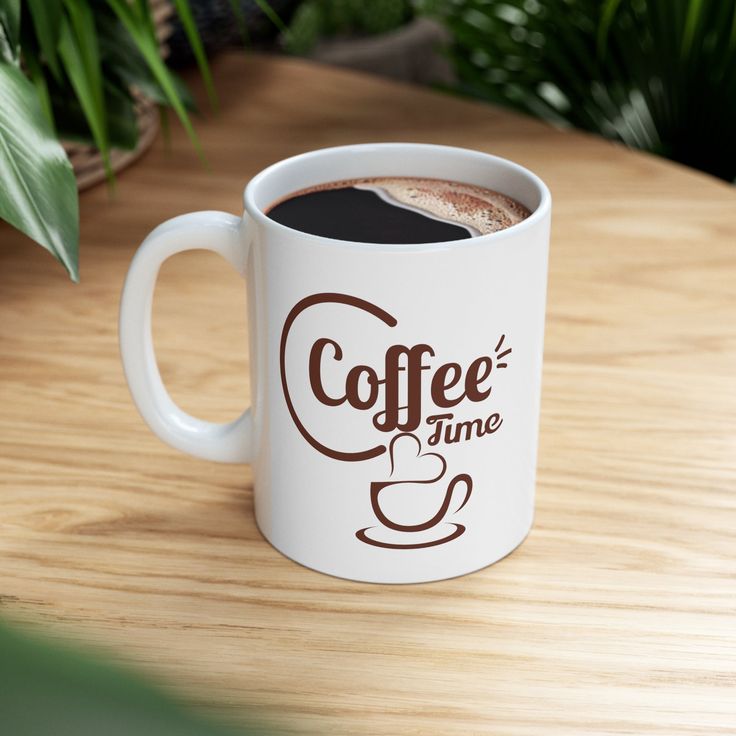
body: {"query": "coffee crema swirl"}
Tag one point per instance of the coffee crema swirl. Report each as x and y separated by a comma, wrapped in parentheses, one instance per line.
(342, 209)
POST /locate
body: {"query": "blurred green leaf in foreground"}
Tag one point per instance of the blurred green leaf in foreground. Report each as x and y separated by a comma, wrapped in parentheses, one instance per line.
(49, 690)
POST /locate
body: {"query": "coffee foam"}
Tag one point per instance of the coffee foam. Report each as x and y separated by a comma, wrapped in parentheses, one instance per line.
(480, 210)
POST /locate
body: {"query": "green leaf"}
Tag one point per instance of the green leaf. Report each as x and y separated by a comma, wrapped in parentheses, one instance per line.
(123, 62)
(136, 26)
(10, 31)
(47, 16)
(239, 16)
(35, 72)
(272, 15)
(121, 118)
(306, 27)
(190, 28)
(134, 74)
(80, 56)
(140, 77)
(693, 19)
(381, 16)
(609, 11)
(83, 24)
(38, 192)
(52, 690)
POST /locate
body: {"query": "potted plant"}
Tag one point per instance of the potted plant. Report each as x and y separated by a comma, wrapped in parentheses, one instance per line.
(387, 37)
(87, 72)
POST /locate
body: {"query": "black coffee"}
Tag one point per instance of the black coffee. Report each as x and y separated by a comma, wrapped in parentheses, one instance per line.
(397, 209)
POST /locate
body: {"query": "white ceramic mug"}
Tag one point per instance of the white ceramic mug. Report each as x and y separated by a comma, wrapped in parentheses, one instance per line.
(395, 388)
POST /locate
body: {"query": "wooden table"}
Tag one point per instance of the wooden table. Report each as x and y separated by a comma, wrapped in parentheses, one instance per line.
(617, 615)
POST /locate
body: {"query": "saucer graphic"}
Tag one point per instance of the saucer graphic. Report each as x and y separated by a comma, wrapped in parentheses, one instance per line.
(380, 536)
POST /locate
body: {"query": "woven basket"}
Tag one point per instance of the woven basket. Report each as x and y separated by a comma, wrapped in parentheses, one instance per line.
(86, 159)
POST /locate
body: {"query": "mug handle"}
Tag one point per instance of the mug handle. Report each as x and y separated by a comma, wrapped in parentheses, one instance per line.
(216, 231)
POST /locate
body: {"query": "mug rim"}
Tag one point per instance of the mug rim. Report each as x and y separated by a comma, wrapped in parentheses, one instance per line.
(540, 212)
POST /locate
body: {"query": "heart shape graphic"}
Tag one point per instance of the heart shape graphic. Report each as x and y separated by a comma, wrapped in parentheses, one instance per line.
(410, 465)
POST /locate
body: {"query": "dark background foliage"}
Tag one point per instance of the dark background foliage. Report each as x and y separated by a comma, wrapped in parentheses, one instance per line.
(659, 75)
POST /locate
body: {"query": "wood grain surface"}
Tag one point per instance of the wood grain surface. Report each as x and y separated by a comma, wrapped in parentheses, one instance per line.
(617, 615)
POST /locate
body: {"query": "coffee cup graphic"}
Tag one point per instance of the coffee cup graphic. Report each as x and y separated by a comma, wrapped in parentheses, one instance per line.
(413, 504)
